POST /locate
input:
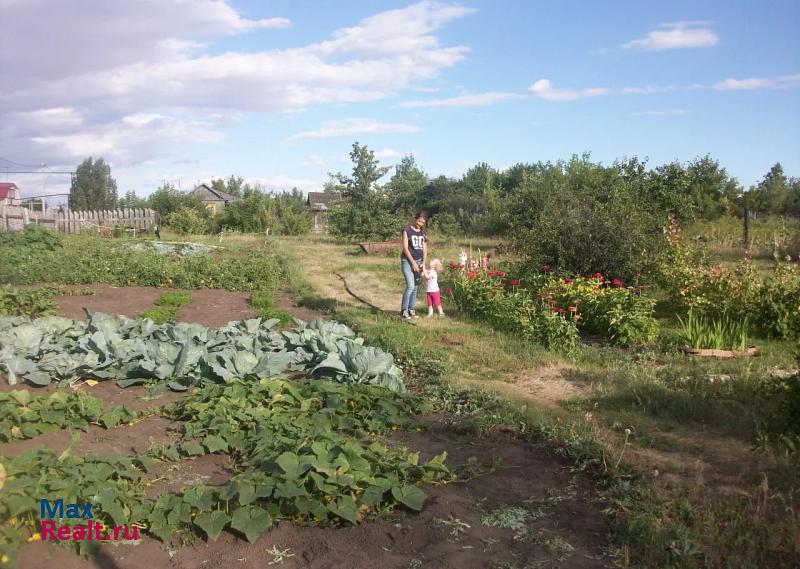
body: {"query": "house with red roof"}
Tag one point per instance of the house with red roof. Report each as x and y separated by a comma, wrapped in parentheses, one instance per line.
(10, 194)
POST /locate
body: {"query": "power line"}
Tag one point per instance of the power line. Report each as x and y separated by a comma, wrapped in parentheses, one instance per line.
(42, 165)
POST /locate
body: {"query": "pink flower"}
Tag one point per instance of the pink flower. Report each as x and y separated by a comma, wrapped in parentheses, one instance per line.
(514, 282)
(448, 290)
(573, 309)
(616, 282)
(546, 268)
(472, 275)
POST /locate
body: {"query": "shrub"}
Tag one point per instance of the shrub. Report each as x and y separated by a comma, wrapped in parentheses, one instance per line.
(186, 220)
(585, 217)
(484, 294)
(771, 304)
(32, 236)
(31, 302)
(606, 308)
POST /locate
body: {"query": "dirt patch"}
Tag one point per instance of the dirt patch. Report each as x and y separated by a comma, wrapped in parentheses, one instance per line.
(167, 477)
(129, 301)
(210, 307)
(129, 440)
(448, 533)
(547, 384)
(215, 308)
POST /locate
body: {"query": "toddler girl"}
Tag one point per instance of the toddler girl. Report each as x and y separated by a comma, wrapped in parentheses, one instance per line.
(431, 277)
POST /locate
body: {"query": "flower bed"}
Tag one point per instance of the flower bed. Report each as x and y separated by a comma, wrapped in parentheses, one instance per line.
(550, 309)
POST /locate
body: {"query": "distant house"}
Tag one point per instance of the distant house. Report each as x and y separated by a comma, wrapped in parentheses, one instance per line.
(318, 203)
(214, 200)
(10, 194)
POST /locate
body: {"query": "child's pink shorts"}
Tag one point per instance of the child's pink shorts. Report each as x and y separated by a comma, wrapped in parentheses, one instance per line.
(435, 299)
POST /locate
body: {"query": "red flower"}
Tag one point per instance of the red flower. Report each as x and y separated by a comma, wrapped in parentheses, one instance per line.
(573, 309)
(598, 276)
(500, 274)
(616, 282)
(452, 264)
(568, 281)
(472, 275)
(491, 273)
(488, 255)
(514, 282)
(448, 290)
(546, 268)
(561, 311)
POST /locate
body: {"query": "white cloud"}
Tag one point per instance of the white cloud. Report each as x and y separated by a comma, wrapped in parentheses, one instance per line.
(780, 82)
(661, 113)
(313, 160)
(676, 35)
(466, 100)
(545, 90)
(352, 127)
(110, 60)
(389, 153)
(281, 183)
(131, 139)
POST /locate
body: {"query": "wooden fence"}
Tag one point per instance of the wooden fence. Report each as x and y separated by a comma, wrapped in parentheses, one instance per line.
(14, 218)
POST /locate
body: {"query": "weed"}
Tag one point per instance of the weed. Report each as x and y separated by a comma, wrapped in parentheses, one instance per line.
(264, 303)
(279, 555)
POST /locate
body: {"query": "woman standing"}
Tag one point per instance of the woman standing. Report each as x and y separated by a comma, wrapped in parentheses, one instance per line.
(412, 261)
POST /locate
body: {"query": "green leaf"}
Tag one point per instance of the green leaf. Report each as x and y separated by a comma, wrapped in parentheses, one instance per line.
(214, 443)
(198, 496)
(409, 495)
(114, 416)
(251, 522)
(212, 523)
(192, 448)
(345, 508)
(373, 495)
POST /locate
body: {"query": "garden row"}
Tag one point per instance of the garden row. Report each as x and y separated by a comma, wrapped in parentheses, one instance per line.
(36, 255)
(183, 355)
(299, 449)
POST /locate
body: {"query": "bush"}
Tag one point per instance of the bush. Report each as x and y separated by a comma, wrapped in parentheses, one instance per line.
(771, 304)
(32, 236)
(31, 302)
(585, 217)
(485, 295)
(186, 220)
(606, 307)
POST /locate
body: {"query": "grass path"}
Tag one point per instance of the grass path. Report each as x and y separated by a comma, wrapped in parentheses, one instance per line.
(694, 452)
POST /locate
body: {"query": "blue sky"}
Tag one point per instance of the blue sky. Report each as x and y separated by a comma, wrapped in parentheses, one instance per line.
(277, 91)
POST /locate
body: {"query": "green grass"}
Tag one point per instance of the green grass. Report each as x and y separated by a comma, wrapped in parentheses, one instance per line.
(167, 306)
(264, 303)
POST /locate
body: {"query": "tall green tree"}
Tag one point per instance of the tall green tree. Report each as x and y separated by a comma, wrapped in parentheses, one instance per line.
(131, 201)
(772, 192)
(406, 185)
(166, 200)
(234, 185)
(92, 187)
(365, 212)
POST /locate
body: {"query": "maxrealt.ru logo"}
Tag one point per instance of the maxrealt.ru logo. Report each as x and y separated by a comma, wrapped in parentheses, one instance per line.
(92, 530)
